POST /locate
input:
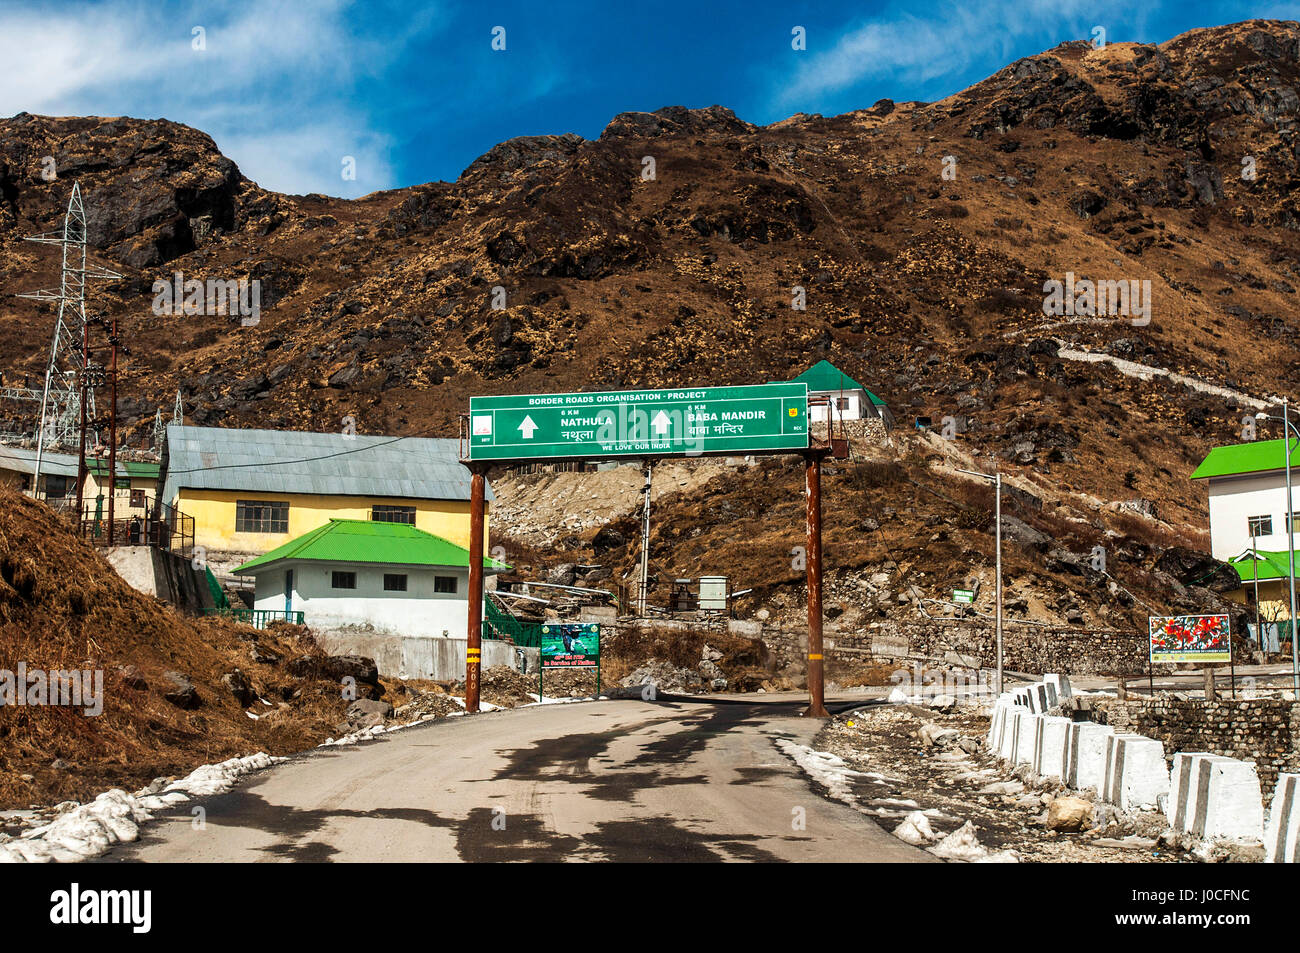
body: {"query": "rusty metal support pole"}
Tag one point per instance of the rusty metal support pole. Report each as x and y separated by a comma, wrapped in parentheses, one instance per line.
(112, 432)
(474, 635)
(816, 664)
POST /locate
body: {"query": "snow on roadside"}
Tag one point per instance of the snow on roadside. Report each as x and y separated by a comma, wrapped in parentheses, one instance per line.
(834, 773)
(829, 770)
(88, 830)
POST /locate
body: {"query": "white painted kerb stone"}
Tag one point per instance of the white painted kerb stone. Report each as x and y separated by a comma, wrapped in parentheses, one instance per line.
(1060, 684)
(1025, 738)
(1085, 755)
(1050, 746)
(1282, 836)
(1215, 798)
(1136, 774)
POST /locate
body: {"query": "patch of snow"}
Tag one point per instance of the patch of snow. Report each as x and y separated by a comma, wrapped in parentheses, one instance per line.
(1146, 372)
(88, 830)
(829, 770)
(916, 830)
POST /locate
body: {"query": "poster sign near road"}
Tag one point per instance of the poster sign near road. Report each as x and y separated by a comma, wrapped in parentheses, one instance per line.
(963, 595)
(570, 645)
(1190, 638)
(682, 421)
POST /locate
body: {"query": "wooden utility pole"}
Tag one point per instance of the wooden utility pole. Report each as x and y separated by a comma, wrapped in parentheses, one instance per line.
(645, 541)
(112, 432)
(84, 390)
(816, 663)
(474, 633)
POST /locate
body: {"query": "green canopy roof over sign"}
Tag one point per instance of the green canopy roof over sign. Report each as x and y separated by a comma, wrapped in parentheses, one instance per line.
(1269, 565)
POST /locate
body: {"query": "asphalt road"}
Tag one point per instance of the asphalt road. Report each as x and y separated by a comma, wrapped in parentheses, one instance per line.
(625, 780)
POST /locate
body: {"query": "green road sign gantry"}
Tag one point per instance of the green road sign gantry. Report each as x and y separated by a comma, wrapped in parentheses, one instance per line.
(679, 421)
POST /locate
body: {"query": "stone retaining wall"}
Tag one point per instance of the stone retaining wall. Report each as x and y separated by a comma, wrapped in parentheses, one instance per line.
(1031, 649)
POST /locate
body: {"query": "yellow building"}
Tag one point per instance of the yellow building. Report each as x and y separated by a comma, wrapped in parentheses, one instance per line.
(250, 491)
(135, 487)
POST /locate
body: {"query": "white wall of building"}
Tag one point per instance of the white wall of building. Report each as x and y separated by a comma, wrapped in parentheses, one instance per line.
(1234, 500)
(419, 611)
(854, 401)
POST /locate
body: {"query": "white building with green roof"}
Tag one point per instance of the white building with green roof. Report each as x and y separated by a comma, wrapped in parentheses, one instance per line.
(846, 398)
(1247, 490)
(391, 578)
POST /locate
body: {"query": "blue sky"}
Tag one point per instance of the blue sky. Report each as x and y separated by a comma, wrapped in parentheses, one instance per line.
(414, 92)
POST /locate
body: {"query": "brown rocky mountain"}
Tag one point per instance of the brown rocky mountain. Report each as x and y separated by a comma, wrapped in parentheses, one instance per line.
(1171, 163)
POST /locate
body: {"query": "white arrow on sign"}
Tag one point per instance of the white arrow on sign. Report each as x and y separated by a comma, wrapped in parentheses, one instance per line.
(660, 423)
(528, 428)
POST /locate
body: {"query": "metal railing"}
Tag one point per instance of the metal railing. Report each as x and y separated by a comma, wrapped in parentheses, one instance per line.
(135, 525)
(502, 626)
(258, 618)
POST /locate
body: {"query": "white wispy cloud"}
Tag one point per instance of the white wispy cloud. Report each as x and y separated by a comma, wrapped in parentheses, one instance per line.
(271, 83)
(913, 49)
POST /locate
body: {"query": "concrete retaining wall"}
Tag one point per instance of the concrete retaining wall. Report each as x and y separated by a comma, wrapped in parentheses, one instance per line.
(422, 657)
(969, 642)
(169, 576)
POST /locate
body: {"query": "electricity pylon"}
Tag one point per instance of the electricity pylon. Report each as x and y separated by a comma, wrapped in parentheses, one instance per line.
(65, 384)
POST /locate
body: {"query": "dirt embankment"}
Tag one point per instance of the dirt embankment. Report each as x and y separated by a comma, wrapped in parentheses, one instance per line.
(175, 692)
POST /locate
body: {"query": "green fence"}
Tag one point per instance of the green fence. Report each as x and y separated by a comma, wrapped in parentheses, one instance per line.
(499, 624)
(258, 618)
(218, 594)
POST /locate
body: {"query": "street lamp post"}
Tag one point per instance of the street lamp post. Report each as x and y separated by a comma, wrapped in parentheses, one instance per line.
(996, 480)
(1287, 429)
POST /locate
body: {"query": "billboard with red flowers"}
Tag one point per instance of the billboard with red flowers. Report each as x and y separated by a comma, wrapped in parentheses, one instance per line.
(1190, 638)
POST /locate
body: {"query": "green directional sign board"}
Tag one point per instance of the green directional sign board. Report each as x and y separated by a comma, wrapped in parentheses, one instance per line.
(963, 595)
(683, 421)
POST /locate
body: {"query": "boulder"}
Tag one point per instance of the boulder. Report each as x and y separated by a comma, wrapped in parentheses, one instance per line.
(937, 736)
(1069, 814)
(237, 684)
(606, 539)
(366, 713)
(180, 691)
(336, 668)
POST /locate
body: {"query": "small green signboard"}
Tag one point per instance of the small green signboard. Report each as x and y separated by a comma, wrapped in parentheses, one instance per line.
(570, 644)
(681, 421)
(963, 595)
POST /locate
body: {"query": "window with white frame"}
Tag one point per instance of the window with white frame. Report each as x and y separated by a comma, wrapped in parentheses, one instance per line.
(1260, 526)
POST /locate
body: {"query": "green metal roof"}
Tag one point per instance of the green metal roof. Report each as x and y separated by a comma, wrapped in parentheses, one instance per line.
(364, 541)
(129, 468)
(825, 376)
(1255, 457)
(1270, 565)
